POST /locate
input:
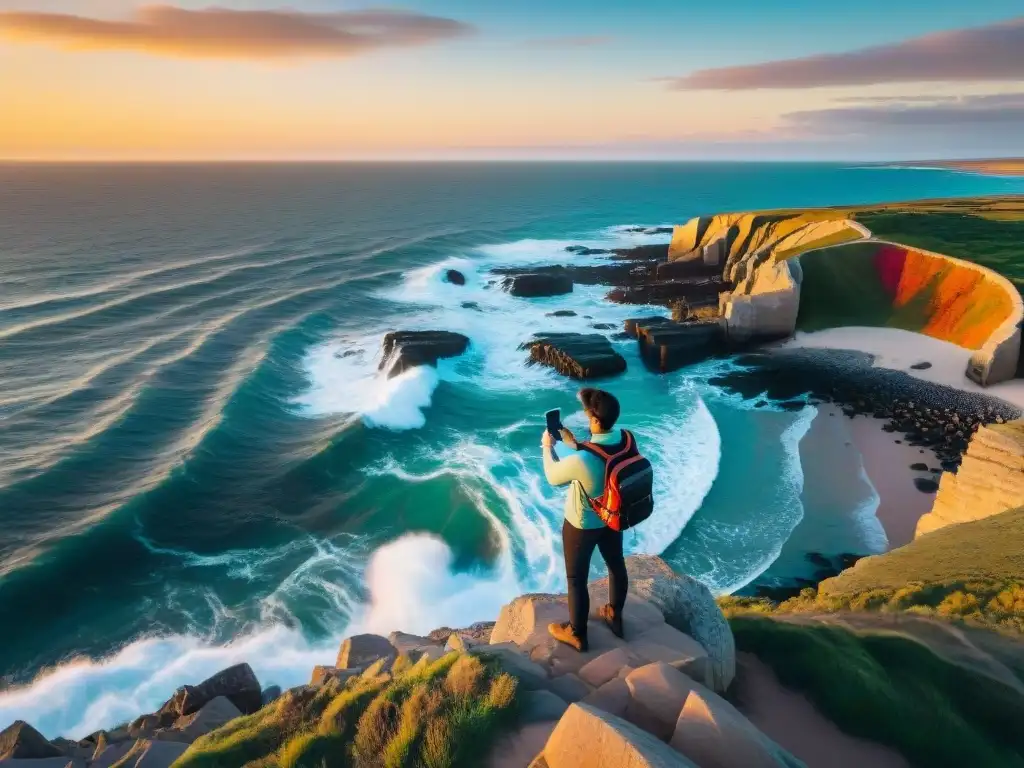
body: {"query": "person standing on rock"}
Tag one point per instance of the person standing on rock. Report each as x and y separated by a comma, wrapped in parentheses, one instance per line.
(583, 529)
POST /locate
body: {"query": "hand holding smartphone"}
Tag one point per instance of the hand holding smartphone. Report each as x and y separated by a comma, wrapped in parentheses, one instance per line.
(553, 420)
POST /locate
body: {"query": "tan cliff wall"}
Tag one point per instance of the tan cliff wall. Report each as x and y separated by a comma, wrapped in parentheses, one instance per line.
(990, 479)
(755, 251)
(762, 254)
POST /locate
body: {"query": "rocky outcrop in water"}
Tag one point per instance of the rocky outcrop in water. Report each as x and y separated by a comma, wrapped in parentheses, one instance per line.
(666, 345)
(402, 350)
(576, 355)
(455, 277)
(538, 284)
(990, 479)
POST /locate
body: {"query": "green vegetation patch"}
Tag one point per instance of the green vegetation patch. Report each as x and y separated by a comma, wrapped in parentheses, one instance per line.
(841, 287)
(442, 714)
(894, 691)
(971, 573)
(980, 550)
(994, 243)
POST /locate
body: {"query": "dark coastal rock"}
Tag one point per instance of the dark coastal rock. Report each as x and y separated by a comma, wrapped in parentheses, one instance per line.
(649, 230)
(919, 467)
(576, 355)
(470, 305)
(455, 277)
(927, 415)
(925, 485)
(677, 270)
(20, 741)
(704, 289)
(793, 405)
(582, 250)
(657, 252)
(585, 274)
(238, 684)
(562, 313)
(531, 285)
(603, 326)
(667, 346)
(921, 366)
(402, 350)
(271, 693)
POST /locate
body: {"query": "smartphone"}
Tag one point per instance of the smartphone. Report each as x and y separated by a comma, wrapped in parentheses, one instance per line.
(554, 422)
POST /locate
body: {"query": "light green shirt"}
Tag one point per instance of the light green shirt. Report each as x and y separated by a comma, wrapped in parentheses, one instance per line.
(584, 472)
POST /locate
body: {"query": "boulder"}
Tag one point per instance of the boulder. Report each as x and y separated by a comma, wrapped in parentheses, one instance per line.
(562, 313)
(188, 728)
(322, 674)
(576, 355)
(666, 345)
(541, 706)
(714, 734)
(404, 643)
(521, 746)
(402, 350)
(21, 741)
(532, 285)
(108, 755)
(364, 650)
(152, 754)
(569, 687)
(605, 667)
(587, 737)
(455, 277)
(612, 697)
(669, 645)
(657, 693)
(687, 605)
(531, 676)
(237, 683)
(271, 693)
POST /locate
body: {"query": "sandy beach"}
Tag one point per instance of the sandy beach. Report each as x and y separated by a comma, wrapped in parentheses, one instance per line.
(886, 458)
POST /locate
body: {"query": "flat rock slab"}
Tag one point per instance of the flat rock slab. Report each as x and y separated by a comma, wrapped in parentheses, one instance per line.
(587, 737)
(532, 285)
(714, 734)
(666, 345)
(402, 350)
(576, 355)
(363, 650)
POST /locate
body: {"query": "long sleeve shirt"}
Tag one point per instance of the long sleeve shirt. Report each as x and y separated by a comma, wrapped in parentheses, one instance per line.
(582, 472)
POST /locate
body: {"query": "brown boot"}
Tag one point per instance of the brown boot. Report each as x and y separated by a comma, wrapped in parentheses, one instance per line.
(563, 633)
(607, 612)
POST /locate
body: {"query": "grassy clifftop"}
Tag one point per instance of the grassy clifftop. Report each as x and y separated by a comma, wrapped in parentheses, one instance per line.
(972, 572)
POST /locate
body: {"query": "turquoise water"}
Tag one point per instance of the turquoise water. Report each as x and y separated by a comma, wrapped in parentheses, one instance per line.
(189, 460)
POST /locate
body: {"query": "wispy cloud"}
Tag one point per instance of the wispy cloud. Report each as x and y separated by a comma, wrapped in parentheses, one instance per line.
(224, 33)
(977, 113)
(581, 41)
(994, 52)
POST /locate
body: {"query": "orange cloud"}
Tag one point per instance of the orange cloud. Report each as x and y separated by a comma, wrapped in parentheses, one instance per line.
(993, 52)
(223, 33)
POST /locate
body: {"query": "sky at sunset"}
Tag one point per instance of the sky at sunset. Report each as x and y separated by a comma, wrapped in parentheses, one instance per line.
(530, 79)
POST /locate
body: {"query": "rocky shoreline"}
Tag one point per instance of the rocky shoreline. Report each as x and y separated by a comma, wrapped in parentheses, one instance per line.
(655, 694)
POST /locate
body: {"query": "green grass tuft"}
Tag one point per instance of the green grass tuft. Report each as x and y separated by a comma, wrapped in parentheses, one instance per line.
(442, 714)
(894, 691)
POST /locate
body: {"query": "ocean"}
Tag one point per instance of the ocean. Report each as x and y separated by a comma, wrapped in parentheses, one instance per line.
(201, 464)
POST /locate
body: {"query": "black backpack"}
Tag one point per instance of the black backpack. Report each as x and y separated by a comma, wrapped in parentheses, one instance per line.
(628, 495)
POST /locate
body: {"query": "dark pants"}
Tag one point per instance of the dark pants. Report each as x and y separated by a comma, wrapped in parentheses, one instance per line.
(578, 546)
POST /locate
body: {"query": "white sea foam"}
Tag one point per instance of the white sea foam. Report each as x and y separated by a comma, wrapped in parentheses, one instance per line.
(410, 581)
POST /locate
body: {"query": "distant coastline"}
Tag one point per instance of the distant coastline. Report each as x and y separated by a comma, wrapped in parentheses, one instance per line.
(1003, 166)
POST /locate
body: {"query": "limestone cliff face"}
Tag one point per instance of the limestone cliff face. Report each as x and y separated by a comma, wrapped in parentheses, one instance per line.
(774, 257)
(990, 479)
(755, 251)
